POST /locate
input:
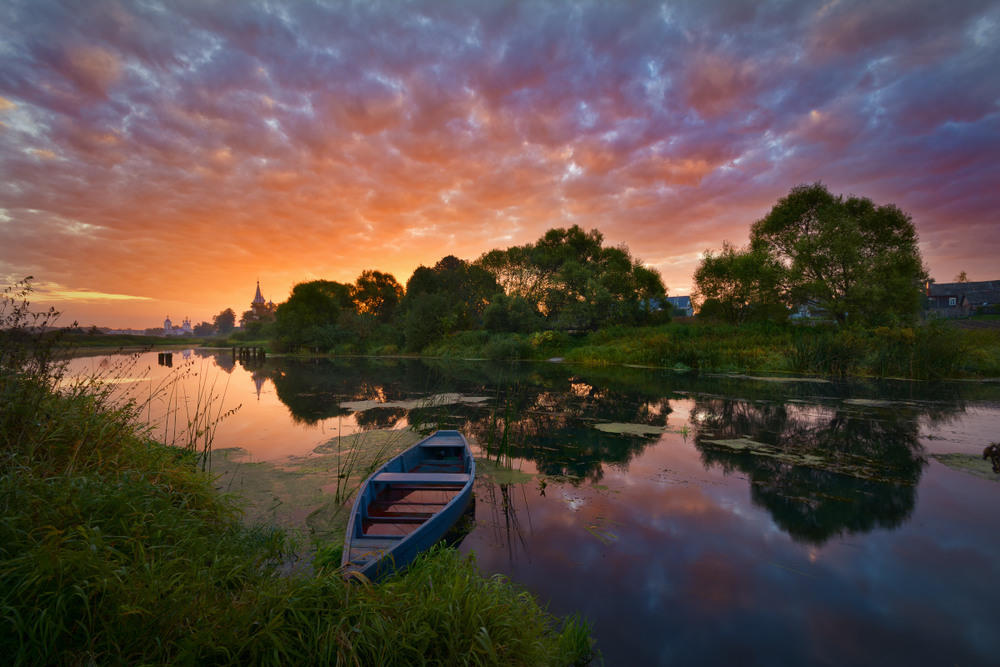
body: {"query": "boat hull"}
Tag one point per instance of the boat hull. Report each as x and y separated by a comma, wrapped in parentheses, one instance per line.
(408, 505)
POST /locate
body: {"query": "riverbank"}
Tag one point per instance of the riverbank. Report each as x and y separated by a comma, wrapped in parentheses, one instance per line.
(935, 351)
(963, 349)
(111, 540)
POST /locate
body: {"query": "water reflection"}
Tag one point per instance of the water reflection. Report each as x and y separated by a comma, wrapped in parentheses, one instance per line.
(820, 471)
(821, 462)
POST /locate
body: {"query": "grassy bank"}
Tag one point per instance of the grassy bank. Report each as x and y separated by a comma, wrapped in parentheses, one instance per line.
(116, 549)
(935, 351)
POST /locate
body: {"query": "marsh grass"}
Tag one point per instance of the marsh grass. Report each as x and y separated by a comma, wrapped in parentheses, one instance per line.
(931, 351)
(116, 549)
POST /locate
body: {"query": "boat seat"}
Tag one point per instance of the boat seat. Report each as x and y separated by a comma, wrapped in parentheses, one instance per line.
(421, 478)
(385, 542)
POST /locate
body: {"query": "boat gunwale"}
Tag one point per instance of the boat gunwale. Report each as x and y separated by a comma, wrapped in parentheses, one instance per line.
(464, 491)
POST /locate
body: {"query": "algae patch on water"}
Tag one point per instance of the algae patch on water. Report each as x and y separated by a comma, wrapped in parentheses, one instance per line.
(842, 463)
(299, 493)
(433, 400)
(969, 463)
(491, 471)
(618, 428)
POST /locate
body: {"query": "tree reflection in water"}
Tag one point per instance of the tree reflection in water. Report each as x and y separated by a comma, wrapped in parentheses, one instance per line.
(821, 462)
(820, 471)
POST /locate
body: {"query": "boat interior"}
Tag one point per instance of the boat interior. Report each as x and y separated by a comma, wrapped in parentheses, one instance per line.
(409, 491)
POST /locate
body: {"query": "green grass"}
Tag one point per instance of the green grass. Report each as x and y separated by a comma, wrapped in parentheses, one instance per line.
(115, 549)
(933, 351)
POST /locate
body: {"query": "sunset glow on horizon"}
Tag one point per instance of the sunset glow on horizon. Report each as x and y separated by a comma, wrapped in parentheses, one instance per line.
(158, 158)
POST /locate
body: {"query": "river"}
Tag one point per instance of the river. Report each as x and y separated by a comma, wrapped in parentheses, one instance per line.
(690, 520)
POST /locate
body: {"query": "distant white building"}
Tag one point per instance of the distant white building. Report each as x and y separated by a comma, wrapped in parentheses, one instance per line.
(171, 329)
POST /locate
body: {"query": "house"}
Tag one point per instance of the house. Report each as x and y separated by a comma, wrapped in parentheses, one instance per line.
(681, 306)
(950, 300)
(810, 312)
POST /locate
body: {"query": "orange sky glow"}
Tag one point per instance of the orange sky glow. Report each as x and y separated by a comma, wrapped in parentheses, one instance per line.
(159, 158)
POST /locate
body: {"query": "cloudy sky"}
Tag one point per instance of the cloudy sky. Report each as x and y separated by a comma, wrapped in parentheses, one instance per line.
(159, 157)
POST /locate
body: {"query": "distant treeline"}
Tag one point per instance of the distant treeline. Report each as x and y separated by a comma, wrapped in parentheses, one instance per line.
(566, 281)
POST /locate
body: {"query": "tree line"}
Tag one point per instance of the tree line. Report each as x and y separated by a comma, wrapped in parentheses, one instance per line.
(568, 280)
(842, 259)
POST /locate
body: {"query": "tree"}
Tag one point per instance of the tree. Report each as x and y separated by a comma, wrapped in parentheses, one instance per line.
(961, 278)
(467, 288)
(376, 294)
(309, 316)
(851, 257)
(511, 313)
(739, 285)
(575, 281)
(225, 321)
(427, 319)
(204, 329)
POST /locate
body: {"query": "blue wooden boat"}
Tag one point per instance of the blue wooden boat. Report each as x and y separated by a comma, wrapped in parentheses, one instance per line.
(408, 504)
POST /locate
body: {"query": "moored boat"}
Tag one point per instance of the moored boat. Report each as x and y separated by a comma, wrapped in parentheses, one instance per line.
(408, 504)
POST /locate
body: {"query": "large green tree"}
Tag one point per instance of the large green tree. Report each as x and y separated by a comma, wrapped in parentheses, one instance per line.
(460, 291)
(738, 285)
(225, 321)
(376, 294)
(309, 316)
(857, 260)
(575, 281)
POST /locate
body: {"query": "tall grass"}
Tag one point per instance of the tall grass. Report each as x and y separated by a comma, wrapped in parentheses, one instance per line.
(115, 548)
(932, 351)
(359, 459)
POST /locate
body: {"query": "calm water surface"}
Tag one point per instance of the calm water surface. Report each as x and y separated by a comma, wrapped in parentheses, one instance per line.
(690, 520)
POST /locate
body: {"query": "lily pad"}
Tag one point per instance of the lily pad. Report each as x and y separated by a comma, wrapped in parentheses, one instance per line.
(630, 429)
(969, 463)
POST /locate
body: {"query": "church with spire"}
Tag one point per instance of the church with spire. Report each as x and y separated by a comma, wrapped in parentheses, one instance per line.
(260, 310)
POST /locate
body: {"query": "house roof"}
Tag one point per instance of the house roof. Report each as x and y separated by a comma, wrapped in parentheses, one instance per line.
(978, 293)
(679, 301)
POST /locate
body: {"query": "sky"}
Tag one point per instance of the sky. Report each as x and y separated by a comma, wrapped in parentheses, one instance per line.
(158, 158)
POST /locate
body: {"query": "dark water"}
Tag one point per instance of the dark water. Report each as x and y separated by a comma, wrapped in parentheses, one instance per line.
(753, 521)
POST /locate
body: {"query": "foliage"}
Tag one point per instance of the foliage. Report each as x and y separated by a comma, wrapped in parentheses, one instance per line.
(932, 351)
(204, 329)
(846, 256)
(507, 347)
(511, 314)
(225, 321)
(739, 285)
(851, 257)
(428, 317)
(309, 316)
(576, 282)
(468, 289)
(376, 294)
